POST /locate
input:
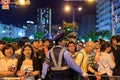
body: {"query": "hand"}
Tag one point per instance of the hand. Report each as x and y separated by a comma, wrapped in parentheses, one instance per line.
(39, 79)
(12, 68)
(24, 74)
(85, 74)
(30, 73)
(42, 77)
(97, 73)
(9, 73)
(98, 77)
(22, 78)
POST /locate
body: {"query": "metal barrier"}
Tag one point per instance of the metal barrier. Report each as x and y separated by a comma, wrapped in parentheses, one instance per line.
(105, 76)
(15, 78)
(10, 78)
(90, 75)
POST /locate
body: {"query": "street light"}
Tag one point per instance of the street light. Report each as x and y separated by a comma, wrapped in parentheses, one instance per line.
(6, 3)
(68, 8)
(113, 15)
(22, 2)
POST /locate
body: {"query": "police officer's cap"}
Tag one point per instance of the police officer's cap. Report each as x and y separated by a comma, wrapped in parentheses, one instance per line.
(72, 35)
(59, 37)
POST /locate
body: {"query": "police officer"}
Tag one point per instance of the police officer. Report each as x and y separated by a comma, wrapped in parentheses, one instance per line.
(59, 62)
(72, 38)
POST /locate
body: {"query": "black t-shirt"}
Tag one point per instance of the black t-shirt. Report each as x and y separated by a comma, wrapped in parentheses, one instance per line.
(35, 64)
(116, 54)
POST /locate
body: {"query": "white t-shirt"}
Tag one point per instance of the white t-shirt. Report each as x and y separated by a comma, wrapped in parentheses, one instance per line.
(4, 65)
(106, 64)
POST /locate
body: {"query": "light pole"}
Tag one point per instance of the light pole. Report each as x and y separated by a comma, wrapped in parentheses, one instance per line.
(113, 15)
(67, 8)
(73, 19)
(6, 3)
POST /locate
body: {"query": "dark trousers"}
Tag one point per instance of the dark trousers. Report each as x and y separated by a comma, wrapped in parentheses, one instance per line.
(73, 75)
(91, 77)
(105, 78)
(60, 75)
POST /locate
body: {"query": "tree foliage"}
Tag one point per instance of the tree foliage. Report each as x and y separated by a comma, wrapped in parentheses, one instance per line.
(9, 39)
(68, 27)
(39, 35)
(93, 35)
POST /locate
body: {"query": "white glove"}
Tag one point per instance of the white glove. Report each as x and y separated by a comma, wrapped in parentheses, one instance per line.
(85, 74)
(42, 76)
(39, 79)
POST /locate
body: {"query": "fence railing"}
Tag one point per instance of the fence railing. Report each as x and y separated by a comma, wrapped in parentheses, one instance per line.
(10, 78)
(105, 76)
(90, 75)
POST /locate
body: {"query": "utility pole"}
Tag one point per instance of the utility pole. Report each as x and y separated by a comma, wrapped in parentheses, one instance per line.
(73, 19)
(112, 17)
(50, 28)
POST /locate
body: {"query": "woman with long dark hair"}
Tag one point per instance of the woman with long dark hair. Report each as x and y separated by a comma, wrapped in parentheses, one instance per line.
(106, 62)
(28, 65)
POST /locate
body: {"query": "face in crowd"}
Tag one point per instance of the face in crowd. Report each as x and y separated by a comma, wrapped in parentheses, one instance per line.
(71, 47)
(89, 46)
(8, 50)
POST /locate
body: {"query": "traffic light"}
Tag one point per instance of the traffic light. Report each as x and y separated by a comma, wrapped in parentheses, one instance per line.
(5, 4)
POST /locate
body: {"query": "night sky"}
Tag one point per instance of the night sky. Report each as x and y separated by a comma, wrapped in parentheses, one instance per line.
(20, 15)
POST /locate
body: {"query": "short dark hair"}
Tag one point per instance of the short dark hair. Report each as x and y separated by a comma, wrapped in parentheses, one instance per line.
(46, 40)
(104, 46)
(96, 41)
(70, 43)
(113, 38)
(118, 38)
(22, 41)
(2, 42)
(8, 46)
(35, 40)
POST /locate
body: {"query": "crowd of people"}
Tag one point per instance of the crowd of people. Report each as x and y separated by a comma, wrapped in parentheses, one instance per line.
(61, 59)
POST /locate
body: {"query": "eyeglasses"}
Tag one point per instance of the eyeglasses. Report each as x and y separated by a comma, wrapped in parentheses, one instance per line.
(27, 49)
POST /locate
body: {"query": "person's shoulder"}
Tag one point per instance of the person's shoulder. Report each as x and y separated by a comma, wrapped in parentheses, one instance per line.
(15, 59)
(79, 54)
(18, 51)
(118, 46)
(105, 55)
(2, 59)
(66, 50)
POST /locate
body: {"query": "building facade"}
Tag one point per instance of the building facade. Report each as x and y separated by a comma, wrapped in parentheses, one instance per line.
(108, 15)
(44, 21)
(87, 24)
(11, 31)
(31, 28)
